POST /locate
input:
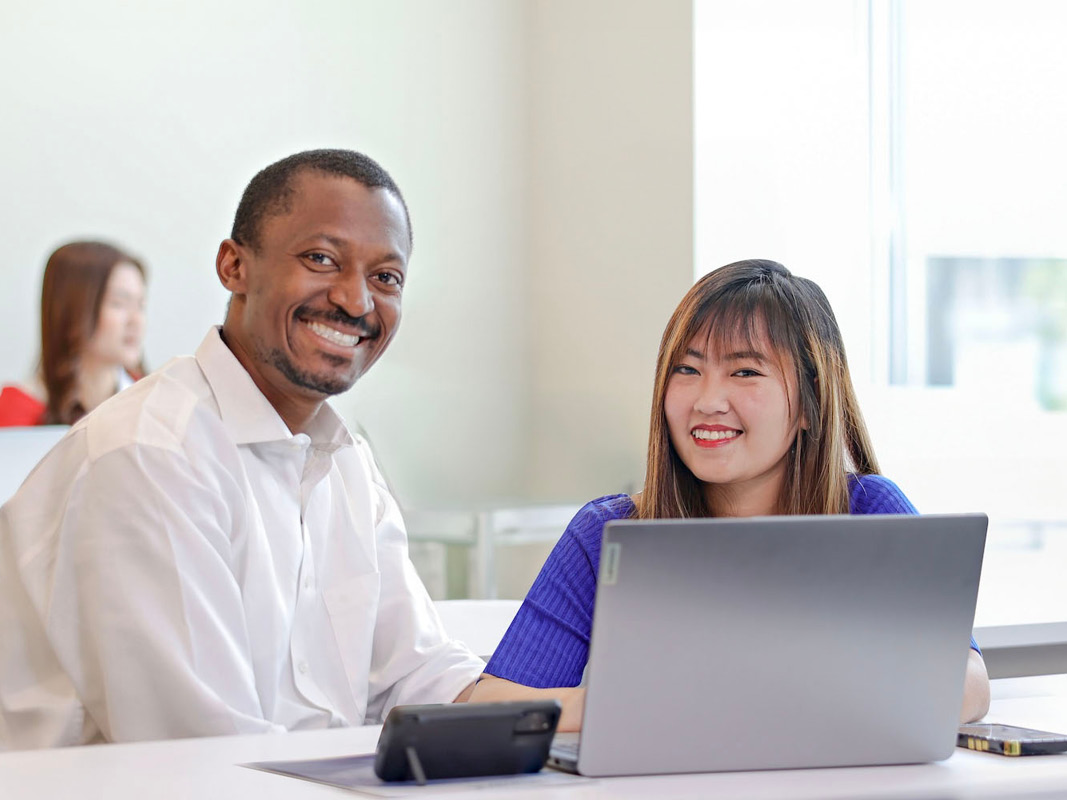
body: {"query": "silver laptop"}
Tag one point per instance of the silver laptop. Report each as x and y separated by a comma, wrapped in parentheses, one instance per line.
(777, 643)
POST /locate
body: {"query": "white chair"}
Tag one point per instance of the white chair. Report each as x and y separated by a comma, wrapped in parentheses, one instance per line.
(513, 544)
(480, 624)
(505, 547)
(441, 545)
(20, 450)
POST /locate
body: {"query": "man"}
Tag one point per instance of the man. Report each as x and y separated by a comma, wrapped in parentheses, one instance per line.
(211, 551)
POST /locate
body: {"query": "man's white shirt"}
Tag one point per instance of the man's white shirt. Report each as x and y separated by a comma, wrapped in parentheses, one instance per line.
(182, 565)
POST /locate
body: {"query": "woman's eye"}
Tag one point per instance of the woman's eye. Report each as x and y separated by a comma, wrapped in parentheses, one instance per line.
(747, 373)
(685, 369)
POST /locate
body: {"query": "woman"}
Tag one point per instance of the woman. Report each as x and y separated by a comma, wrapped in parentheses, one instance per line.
(92, 329)
(753, 414)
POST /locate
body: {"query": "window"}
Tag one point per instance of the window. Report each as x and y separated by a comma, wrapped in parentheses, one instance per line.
(909, 158)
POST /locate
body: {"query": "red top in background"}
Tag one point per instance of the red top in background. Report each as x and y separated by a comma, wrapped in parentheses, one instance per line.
(19, 409)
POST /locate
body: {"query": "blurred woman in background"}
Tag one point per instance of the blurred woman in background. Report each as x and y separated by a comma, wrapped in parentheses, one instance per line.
(92, 331)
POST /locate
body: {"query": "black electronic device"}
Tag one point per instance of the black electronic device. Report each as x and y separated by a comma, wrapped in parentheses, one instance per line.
(1010, 740)
(462, 740)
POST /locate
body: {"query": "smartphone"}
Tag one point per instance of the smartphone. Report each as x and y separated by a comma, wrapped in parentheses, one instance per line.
(463, 740)
(1010, 740)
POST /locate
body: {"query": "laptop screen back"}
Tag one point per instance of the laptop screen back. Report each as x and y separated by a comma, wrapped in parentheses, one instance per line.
(779, 642)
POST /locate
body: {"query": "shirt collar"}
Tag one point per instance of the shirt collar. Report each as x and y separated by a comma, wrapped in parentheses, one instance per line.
(246, 414)
(123, 379)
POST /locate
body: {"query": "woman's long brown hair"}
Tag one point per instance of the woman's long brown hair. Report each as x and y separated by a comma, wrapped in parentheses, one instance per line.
(75, 278)
(749, 300)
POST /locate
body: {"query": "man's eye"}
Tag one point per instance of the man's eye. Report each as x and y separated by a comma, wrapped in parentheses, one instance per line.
(320, 259)
(390, 279)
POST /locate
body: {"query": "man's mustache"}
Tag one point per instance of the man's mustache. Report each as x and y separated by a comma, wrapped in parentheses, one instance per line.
(363, 327)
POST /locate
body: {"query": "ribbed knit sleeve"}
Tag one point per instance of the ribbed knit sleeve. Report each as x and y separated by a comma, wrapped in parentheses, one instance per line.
(876, 494)
(548, 642)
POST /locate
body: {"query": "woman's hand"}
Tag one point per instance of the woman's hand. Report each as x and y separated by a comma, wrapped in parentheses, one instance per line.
(975, 689)
(491, 689)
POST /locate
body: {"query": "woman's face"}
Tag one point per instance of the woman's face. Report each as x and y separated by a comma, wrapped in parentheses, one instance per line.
(732, 420)
(120, 327)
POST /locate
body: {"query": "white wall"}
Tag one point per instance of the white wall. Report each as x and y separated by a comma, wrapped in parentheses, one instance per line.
(522, 366)
(611, 245)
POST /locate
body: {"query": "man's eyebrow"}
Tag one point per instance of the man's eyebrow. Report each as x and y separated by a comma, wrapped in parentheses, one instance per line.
(343, 244)
(333, 241)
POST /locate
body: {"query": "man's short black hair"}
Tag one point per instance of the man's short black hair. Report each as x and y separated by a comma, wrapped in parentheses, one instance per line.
(271, 191)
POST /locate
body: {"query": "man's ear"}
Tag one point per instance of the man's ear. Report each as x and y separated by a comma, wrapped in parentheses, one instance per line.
(231, 266)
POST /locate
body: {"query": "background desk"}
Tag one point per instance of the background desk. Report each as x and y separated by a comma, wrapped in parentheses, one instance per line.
(199, 769)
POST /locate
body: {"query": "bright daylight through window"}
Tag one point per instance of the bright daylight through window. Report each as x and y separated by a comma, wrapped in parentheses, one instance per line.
(909, 157)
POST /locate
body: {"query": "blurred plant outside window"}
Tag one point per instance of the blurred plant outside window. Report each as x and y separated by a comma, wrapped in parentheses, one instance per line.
(984, 312)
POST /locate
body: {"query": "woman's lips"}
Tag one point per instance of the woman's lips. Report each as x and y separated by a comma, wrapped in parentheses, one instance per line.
(714, 436)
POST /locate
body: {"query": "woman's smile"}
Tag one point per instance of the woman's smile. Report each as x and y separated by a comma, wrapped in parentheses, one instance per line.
(709, 436)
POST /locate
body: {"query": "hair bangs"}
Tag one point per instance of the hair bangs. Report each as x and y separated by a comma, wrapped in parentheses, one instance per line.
(752, 317)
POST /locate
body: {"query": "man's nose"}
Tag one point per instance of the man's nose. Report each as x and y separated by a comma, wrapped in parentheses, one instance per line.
(352, 294)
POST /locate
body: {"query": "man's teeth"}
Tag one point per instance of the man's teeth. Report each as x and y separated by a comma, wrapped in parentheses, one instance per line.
(713, 436)
(335, 336)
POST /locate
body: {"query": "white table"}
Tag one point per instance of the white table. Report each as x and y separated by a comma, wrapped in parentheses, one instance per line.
(200, 769)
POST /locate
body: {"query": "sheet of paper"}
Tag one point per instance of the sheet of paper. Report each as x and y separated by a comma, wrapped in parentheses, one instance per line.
(356, 773)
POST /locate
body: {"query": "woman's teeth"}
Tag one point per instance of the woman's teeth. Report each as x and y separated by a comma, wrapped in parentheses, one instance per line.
(713, 436)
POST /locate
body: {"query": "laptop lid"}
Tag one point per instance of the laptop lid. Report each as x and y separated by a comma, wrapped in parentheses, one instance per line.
(779, 642)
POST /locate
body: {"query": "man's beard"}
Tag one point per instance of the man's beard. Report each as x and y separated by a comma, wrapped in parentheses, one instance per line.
(322, 384)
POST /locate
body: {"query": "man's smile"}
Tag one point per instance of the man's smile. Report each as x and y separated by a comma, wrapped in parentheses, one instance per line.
(333, 335)
(337, 330)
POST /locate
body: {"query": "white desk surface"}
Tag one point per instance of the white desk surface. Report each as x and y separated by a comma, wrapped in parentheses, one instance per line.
(200, 769)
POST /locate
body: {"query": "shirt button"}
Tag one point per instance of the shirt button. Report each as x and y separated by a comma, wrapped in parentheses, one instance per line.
(303, 667)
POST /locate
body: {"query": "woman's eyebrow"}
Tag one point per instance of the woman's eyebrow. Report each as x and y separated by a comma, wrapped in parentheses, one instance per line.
(745, 355)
